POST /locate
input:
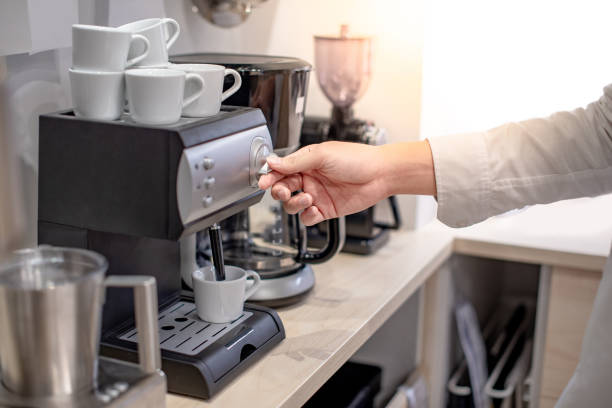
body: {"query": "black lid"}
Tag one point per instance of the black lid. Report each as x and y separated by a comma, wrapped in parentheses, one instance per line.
(243, 63)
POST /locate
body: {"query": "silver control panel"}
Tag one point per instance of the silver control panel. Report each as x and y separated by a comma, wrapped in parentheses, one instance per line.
(215, 174)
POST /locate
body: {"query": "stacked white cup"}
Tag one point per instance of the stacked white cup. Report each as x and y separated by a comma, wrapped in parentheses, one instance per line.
(157, 92)
(99, 58)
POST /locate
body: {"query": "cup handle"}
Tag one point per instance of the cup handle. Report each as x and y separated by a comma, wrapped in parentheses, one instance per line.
(175, 34)
(235, 87)
(147, 45)
(198, 80)
(145, 309)
(256, 282)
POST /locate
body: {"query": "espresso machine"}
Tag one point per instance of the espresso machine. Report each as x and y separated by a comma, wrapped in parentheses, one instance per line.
(133, 193)
(343, 66)
(265, 238)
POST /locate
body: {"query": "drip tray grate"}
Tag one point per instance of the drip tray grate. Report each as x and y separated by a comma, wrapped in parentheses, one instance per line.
(182, 331)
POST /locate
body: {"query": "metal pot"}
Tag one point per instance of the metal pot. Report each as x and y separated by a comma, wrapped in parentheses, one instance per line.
(276, 85)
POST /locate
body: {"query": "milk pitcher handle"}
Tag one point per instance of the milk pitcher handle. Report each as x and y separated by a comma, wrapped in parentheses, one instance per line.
(145, 309)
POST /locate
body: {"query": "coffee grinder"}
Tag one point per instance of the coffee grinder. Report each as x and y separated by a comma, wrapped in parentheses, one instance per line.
(343, 66)
(265, 238)
(131, 192)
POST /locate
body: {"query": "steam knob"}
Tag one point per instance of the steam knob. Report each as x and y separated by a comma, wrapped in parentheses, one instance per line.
(260, 150)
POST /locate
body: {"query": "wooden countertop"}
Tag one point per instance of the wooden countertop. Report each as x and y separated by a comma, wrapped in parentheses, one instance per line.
(352, 298)
(573, 234)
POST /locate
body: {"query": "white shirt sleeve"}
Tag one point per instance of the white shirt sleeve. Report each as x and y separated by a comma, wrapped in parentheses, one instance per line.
(537, 161)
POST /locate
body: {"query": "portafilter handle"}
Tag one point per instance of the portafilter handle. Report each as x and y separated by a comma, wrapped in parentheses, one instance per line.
(336, 234)
(145, 309)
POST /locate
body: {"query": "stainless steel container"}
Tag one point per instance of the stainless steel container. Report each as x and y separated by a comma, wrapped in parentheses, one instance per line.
(276, 85)
(50, 310)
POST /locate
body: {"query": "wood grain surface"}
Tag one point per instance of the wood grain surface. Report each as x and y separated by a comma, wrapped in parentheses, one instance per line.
(572, 293)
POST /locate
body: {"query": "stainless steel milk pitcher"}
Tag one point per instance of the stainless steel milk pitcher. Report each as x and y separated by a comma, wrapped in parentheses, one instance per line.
(50, 312)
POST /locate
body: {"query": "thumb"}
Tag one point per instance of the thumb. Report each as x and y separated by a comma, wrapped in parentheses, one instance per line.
(307, 158)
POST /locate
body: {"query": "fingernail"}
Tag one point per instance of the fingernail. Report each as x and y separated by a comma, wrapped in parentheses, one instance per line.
(273, 159)
(304, 201)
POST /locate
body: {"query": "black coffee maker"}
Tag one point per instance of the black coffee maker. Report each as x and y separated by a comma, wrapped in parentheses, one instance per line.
(132, 192)
(343, 67)
(265, 238)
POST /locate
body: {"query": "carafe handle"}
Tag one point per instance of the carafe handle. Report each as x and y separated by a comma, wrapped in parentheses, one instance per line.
(145, 309)
(336, 233)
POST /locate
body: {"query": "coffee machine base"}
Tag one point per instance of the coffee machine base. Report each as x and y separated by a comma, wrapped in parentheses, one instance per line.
(285, 290)
(120, 384)
(198, 357)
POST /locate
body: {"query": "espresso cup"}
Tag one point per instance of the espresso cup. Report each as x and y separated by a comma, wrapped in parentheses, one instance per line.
(157, 31)
(209, 103)
(157, 96)
(222, 301)
(97, 95)
(97, 48)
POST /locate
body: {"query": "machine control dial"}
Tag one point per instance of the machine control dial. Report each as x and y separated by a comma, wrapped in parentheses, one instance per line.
(260, 150)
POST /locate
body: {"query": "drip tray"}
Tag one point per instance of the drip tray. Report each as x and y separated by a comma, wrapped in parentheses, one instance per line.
(200, 358)
(182, 331)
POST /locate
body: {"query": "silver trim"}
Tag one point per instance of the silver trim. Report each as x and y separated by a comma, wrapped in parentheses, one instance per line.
(235, 163)
(287, 286)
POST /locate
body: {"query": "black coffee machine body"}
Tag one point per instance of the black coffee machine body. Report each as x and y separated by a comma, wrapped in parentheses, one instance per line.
(131, 192)
(265, 238)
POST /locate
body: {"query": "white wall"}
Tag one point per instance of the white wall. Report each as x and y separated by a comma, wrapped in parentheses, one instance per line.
(489, 62)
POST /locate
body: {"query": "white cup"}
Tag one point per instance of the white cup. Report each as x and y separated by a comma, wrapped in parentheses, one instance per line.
(97, 48)
(222, 301)
(157, 31)
(213, 75)
(97, 95)
(156, 96)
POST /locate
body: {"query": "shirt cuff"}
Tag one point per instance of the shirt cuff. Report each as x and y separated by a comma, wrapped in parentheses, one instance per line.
(463, 178)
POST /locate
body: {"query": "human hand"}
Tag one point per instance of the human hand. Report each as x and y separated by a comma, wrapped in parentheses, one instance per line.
(340, 178)
(335, 179)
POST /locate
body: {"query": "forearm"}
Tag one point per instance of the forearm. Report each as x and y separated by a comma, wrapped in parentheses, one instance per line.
(537, 161)
(408, 168)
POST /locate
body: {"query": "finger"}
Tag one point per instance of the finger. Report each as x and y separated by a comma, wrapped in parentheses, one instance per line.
(307, 158)
(297, 203)
(282, 190)
(267, 180)
(311, 216)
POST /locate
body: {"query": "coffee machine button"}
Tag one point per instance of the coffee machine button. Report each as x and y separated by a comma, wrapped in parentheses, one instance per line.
(208, 163)
(121, 386)
(207, 201)
(112, 392)
(104, 398)
(208, 182)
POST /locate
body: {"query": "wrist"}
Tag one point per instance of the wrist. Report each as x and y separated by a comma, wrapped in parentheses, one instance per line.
(408, 168)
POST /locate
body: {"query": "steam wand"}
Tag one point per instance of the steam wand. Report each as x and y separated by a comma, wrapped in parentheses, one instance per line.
(216, 246)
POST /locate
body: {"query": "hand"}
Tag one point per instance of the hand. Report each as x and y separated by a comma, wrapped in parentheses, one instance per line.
(340, 178)
(335, 179)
